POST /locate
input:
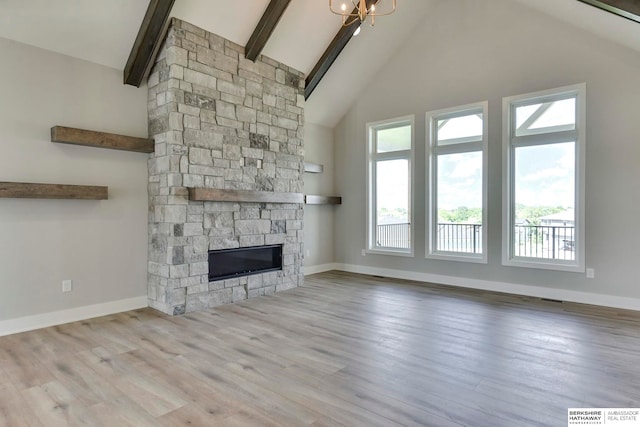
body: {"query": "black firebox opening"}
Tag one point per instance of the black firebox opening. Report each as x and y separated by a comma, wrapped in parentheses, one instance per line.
(229, 263)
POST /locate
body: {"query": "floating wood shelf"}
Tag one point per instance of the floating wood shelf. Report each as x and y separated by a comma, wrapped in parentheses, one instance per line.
(313, 167)
(312, 199)
(220, 195)
(91, 138)
(25, 190)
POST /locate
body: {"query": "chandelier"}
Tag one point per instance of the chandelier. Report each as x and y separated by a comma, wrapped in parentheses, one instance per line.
(361, 11)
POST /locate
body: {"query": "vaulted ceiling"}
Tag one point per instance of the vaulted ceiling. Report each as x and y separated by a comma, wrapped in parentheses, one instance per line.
(103, 31)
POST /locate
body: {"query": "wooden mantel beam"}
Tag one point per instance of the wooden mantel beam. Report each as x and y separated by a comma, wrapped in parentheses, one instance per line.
(147, 42)
(265, 28)
(331, 54)
(220, 195)
(629, 9)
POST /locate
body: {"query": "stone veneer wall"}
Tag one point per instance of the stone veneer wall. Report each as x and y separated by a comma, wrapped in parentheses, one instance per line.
(220, 121)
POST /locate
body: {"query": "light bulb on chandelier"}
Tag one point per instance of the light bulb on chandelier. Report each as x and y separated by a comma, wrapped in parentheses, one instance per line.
(362, 9)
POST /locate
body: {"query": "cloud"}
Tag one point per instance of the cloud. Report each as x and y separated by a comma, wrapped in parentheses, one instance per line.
(467, 167)
(556, 172)
(455, 195)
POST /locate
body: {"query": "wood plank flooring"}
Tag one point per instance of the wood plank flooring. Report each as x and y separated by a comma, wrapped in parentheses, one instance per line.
(343, 350)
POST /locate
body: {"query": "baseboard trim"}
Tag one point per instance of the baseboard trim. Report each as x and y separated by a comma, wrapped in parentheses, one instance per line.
(29, 323)
(603, 300)
(321, 268)
(37, 321)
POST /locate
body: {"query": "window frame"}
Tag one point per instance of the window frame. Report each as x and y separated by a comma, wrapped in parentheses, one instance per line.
(372, 157)
(510, 142)
(432, 153)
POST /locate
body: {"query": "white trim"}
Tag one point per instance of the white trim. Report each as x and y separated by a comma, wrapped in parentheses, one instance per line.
(53, 318)
(321, 268)
(431, 153)
(391, 251)
(507, 216)
(457, 256)
(626, 303)
(393, 155)
(371, 157)
(508, 139)
(543, 264)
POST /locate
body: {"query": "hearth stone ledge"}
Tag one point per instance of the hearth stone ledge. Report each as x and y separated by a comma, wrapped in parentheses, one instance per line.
(220, 121)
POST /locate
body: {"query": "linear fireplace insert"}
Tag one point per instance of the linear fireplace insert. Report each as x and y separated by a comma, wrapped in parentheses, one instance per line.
(229, 263)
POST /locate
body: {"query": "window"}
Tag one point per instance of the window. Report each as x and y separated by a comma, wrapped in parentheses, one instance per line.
(544, 141)
(457, 219)
(390, 202)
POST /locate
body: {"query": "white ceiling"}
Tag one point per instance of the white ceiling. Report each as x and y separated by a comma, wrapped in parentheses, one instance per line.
(100, 31)
(103, 31)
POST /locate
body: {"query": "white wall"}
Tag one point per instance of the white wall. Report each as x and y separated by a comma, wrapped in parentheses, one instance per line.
(319, 219)
(468, 51)
(100, 245)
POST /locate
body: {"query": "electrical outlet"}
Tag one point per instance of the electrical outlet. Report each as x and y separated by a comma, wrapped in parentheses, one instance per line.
(308, 253)
(591, 273)
(364, 252)
(67, 285)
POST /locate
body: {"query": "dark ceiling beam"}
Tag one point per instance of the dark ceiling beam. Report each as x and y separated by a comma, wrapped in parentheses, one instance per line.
(147, 42)
(331, 54)
(265, 28)
(629, 9)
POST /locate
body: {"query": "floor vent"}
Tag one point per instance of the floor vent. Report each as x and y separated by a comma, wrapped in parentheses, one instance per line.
(552, 300)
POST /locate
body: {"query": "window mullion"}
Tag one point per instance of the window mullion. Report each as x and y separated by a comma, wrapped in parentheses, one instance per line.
(545, 138)
(459, 148)
(392, 155)
(546, 130)
(459, 141)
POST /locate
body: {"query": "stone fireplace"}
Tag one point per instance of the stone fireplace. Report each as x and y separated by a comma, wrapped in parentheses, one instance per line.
(220, 121)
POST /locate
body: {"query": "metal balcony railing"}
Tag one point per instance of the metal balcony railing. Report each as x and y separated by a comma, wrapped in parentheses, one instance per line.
(466, 238)
(397, 236)
(535, 241)
(544, 241)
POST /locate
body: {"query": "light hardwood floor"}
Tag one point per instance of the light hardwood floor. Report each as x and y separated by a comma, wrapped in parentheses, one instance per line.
(343, 349)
